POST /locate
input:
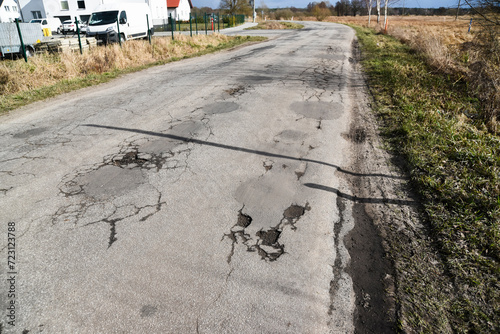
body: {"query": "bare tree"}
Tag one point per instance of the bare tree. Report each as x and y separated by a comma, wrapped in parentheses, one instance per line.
(488, 10)
(378, 11)
(386, 4)
(369, 4)
(236, 6)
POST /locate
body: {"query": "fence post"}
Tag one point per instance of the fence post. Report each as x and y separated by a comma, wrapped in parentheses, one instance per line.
(179, 26)
(196, 23)
(79, 38)
(205, 19)
(171, 25)
(118, 25)
(470, 25)
(190, 26)
(218, 21)
(149, 31)
(23, 48)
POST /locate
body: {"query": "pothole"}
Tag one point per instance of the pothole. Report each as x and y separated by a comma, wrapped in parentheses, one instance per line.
(268, 246)
(293, 213)
(243, 220)
(356, 135)
(136, 159)
(129, 158)
(267, 242)
(236, 91)
(268, 165)
(359, 135)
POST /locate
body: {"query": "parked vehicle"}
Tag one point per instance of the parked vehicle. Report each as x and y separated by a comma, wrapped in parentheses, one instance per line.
(10, 43)
(69, 27)
(53, 23)
(103, 23)
(83, 27)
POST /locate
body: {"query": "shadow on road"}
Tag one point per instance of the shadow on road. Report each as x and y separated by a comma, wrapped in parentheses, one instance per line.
(247, 150)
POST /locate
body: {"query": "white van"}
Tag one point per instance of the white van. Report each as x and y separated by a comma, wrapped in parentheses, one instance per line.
(53, 23)
(102, 23)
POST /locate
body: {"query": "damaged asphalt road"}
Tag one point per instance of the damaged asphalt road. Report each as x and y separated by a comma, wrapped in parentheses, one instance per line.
(211, 195)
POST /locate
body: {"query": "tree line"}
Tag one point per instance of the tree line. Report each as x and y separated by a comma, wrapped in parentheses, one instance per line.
(323, 9)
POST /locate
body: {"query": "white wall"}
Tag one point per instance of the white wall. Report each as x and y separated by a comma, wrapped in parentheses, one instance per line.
(9, 11)
(183, 11)
(52, 8)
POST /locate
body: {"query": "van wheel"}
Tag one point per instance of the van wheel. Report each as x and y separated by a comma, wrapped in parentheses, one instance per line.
(122, 38)
(30, 52)
(58, 31)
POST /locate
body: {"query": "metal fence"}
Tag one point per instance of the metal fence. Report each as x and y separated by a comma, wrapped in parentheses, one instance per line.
(200, 23)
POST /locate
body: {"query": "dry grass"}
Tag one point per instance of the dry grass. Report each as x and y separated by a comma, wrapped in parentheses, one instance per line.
(428, 119)
(450, 49)
(48, 69)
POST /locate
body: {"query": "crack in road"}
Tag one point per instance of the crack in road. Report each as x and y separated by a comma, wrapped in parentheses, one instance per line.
(337, 267)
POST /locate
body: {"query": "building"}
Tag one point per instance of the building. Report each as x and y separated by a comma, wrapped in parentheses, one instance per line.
(180, 9)
(81, 9)
(9, 11)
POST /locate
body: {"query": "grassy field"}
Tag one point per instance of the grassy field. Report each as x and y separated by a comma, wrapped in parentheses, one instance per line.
(430, 116)
(47, 75)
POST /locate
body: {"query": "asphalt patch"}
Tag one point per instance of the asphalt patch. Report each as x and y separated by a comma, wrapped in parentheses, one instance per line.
(29, 133)
(220, 108)
(255, 79)
(318, 110)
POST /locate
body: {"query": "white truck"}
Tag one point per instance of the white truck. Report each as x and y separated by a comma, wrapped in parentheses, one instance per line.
(133, 24)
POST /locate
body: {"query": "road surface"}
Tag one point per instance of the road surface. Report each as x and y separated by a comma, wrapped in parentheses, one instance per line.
(210, 195)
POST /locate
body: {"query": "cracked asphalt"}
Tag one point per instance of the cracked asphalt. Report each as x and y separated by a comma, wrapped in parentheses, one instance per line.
(194, 197)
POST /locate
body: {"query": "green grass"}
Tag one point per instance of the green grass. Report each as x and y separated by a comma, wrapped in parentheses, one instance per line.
(454, 165)
(12, 101)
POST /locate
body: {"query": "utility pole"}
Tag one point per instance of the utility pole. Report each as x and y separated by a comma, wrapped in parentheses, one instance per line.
(458, 8)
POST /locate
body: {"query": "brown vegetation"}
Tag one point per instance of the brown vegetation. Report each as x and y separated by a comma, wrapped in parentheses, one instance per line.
(449, 48)
(48, 69)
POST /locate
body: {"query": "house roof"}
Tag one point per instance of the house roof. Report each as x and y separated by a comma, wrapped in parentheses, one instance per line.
(174, 3)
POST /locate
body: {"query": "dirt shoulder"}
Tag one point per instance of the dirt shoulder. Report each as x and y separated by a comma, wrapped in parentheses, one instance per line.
(392, 256)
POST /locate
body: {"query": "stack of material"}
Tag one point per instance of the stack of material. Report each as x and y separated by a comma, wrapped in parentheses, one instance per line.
(70, 44)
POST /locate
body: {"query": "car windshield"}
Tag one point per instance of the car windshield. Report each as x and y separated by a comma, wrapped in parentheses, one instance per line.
(68, 22)
(101, 18)
(36, 21)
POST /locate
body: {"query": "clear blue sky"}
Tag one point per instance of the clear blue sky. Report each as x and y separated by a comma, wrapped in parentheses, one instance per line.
(303, 3)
